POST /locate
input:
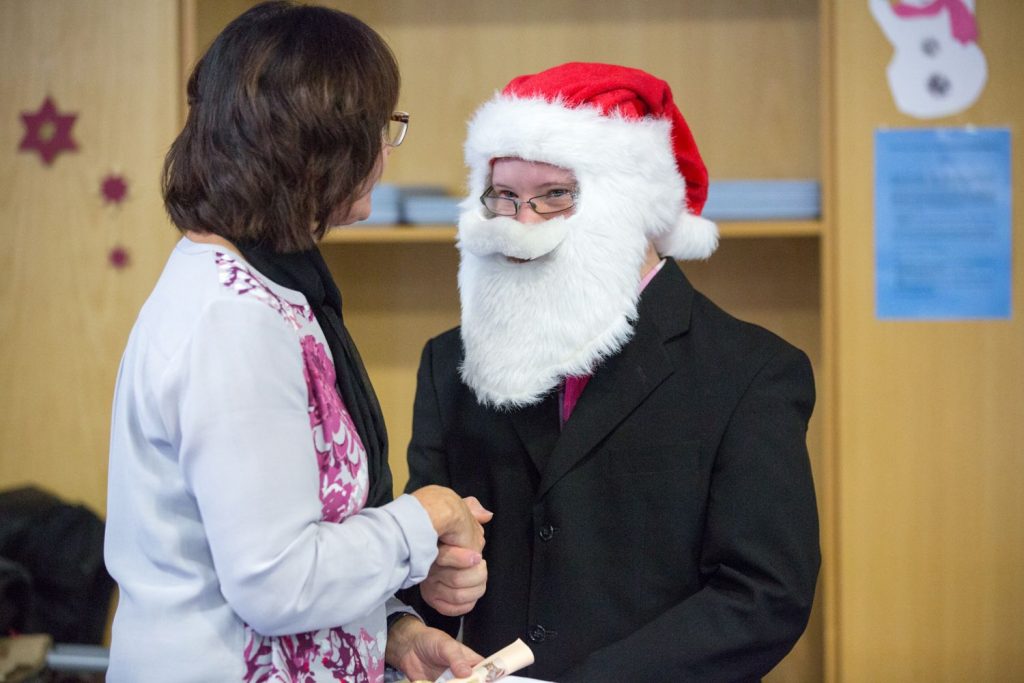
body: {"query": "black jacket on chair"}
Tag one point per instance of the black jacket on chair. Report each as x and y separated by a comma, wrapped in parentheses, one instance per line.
(52, 576)
(669, 531)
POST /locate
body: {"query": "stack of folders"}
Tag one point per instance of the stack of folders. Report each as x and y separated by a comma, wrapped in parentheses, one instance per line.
(763, 200)
(386, 205)
(429, 205)
(412, 204)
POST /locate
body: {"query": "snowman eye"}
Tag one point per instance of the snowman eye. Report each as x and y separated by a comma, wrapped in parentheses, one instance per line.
(939, 85)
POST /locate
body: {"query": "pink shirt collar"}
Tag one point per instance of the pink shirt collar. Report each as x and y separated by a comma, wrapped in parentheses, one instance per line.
(650, 275)
(574, 386)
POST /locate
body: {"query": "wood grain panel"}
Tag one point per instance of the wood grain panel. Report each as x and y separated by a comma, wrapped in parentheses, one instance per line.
(929, 416)
(744, 72)
(396, 297)
(776, 284)
(65, 313)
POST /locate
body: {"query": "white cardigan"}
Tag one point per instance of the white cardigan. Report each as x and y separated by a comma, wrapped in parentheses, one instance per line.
(235, 527)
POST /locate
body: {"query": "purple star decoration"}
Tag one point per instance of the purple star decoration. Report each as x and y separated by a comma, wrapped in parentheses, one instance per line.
(119, 257)
(48, 132)
(114, 189)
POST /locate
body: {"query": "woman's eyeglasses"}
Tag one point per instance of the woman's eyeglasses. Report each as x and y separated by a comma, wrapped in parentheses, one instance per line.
(396, 129)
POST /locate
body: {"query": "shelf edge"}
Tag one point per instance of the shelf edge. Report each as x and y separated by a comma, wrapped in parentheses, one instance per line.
(441, 234)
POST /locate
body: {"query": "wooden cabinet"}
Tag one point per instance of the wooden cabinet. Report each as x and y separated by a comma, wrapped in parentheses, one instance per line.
(65, 310)
(928, 573)
(747, 76)
(916, 437)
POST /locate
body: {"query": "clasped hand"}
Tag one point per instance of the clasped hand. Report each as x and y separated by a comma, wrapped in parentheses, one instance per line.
(458, 577)
(456, 580)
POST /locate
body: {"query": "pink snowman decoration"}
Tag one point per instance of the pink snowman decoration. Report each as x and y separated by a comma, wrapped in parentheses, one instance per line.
(937, 68)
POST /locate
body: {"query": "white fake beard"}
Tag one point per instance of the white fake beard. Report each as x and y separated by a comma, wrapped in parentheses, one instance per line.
(526, 326)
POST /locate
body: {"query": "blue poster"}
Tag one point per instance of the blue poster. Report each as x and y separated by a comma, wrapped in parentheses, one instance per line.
(942, 224)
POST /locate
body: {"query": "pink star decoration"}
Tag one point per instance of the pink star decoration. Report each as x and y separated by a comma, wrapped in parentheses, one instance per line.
(114, 189)
(119, 257)
(48, 132)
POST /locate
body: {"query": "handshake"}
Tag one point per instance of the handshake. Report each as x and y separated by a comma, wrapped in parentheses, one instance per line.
(456, 580)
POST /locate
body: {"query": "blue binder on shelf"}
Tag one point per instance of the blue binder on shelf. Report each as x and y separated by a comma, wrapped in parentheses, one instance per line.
(428, 205)
(431, 210)
(385, 205)
(763, 200)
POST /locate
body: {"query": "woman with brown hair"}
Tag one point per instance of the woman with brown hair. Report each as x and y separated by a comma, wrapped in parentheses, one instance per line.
(251, 526)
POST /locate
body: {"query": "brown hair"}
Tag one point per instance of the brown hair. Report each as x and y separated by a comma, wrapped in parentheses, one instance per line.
(286, 113)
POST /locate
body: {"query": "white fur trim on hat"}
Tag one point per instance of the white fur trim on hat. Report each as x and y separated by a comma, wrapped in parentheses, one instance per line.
(605, 152)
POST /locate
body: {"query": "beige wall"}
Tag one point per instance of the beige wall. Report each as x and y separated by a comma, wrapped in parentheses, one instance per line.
(64, 312)
(929, 566)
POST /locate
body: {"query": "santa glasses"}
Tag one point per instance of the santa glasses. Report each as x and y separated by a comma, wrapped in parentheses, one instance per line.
(552, 202)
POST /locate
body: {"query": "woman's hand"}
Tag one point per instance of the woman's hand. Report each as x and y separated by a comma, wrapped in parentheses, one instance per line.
(421, 652)
(458, 577)
(457, 521)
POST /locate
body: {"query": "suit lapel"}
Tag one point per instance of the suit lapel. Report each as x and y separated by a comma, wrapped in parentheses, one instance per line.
(626, 379)
(538, 428)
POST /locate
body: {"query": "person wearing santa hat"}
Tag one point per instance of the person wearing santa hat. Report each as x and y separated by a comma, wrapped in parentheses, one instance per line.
(642, 450)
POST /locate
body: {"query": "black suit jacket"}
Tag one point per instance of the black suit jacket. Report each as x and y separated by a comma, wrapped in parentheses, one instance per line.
(669, 531)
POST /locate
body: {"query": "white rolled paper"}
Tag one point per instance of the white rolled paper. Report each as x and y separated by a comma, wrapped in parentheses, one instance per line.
(505, 661)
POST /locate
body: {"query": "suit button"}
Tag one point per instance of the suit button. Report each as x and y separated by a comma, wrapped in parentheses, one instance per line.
(546, 533)
(538, 634)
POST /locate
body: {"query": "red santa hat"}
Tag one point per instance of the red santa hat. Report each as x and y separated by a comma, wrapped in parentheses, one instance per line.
(619, 130)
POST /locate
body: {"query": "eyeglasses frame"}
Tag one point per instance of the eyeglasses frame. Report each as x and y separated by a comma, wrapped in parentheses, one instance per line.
(401, 117)
(519, 202)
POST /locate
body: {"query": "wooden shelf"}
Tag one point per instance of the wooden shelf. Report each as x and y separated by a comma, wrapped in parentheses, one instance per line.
(803, 228)
(440, 234)
(386, 234)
